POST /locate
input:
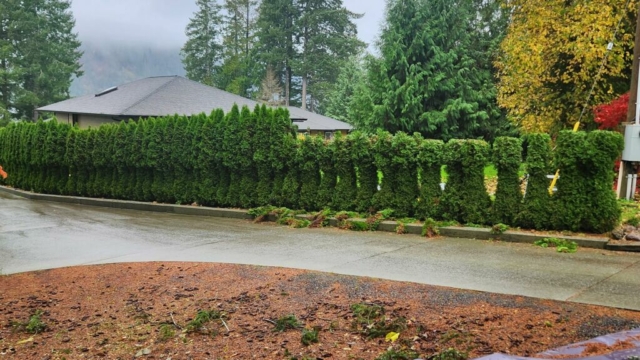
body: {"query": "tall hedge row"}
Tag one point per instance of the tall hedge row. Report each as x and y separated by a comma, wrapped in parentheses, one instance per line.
(249, 158)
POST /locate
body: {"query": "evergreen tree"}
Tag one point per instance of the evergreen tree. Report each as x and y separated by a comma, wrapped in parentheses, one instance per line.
(507, 156)
(465, 198)
(261, 155)
(237, 73)
(325, 35)
(429, 77)
(244, 151)
(39, 54)
(341, 101)
(276, 35)
(384, 199)
(270, 89)
(329, 177)
(405, 173)
(309, 153)
(534, 212)
(362, 150)
(202, 53)
(429, 160)
(346, 191)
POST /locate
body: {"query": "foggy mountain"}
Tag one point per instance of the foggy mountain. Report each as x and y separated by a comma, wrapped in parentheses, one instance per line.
(107, 65)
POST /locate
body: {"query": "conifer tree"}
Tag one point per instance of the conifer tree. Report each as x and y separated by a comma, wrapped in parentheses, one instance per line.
(346, 191)
(465, 197)
(262, 156)
(507, 156)
(309, 149)
(202, 52)
(429, 159)
(428, 78)
(364, 160)
(329, 176)
(238, 70)
(534, 213)
(39, 54)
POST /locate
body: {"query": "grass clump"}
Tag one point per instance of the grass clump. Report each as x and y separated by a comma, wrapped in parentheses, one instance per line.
(370, 321)
(634, 221)
(561, 245)
(35, 324)
(398, 355)
(285, 323)
(165, 332)
(202, 318)
(309, 336)
(449, 354)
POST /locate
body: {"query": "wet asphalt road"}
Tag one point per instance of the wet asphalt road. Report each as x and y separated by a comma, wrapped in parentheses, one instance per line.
(40, 235)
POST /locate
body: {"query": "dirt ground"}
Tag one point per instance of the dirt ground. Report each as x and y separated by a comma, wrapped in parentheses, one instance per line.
(217, 311)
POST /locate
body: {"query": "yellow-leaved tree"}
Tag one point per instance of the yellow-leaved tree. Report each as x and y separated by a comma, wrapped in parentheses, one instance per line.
(552, 53)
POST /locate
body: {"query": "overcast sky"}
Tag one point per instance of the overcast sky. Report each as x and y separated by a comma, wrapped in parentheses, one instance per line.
(162, 22)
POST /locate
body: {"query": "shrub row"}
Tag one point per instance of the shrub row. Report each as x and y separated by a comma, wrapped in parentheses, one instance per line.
(254, 158)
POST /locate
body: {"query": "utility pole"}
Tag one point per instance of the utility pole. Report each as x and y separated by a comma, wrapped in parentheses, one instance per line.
(626, 167)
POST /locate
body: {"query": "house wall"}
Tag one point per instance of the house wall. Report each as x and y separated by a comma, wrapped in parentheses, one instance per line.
(321, 132)
(63, 118)
(84, 120)
(94, 121)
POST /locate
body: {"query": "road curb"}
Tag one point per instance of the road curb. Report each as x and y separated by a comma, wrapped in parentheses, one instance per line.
(623, 247)
(133, 205)
(387, 226)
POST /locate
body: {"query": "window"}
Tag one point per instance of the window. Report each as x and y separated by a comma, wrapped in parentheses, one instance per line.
(328, 135)
(74, 119)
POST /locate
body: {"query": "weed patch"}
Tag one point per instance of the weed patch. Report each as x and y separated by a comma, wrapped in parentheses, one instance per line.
(35, 324)
(165, 332)
(449, 354)
(371, 322)
(398, 355)
(561, 245)
(309, 336)
(286, 323)
(202, 318)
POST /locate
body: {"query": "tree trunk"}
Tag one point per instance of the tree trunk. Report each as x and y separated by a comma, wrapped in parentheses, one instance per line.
(304, 92)
(631, 112)
(287, 83)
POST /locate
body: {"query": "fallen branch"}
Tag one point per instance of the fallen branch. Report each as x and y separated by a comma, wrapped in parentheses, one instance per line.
(225, 324)
(174, 321)
(270, 321)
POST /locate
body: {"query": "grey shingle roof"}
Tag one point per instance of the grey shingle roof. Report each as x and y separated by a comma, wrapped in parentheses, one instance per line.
(169, 95)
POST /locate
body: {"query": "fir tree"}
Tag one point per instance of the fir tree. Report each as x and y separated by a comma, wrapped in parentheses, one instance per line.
(39, 54)
(427, 79)
(202, 52)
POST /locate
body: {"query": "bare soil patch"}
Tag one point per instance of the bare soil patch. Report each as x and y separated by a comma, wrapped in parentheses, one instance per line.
(220, 311)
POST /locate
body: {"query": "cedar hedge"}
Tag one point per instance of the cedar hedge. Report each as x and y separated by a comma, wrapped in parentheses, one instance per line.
(250, 158)
(507, 157)
(536, 208)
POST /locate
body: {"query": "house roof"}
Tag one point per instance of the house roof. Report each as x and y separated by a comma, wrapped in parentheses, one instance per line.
(169, 95)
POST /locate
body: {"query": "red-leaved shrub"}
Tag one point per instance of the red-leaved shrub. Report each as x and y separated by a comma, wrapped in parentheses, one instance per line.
(609, 116)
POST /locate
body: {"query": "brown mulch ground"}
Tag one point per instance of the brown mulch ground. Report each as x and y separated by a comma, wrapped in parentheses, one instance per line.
(120, 310)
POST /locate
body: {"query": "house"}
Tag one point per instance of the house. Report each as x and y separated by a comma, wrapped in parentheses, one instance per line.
(170, 95)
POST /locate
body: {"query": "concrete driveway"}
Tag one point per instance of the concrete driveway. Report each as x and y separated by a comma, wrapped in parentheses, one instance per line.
(40, 235)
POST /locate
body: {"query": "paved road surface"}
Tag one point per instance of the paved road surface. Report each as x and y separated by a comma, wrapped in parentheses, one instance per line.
(39, 235)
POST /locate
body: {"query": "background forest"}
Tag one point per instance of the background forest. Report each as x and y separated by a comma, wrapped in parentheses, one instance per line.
(444, 68)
